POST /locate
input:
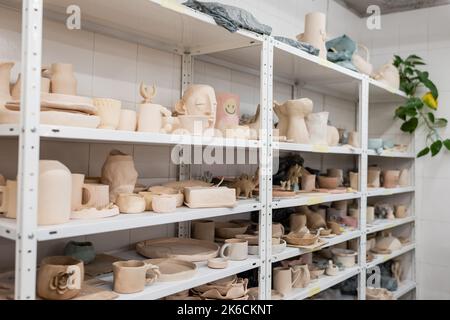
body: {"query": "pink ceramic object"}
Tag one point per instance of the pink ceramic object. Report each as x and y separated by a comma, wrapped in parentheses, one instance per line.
(315, 32)
(63, 79)
(317, 124)
(228, 111)
(128, 120)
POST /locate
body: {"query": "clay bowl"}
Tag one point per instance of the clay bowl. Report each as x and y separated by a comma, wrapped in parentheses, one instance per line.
(159, 190)
(328, 182)
(346, 257)
(228, 230)
(305, 240)
(218, 263)
(315, 272)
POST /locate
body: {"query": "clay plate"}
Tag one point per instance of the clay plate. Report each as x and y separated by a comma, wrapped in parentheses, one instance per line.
(174, 269)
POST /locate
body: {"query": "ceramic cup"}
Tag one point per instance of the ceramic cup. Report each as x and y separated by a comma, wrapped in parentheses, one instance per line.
(128, 120)
(308, 182)
(370, 214)
(353, 139)
(203, 230)
(132, 276)
(235, 249)
(8, 199)
(60, 278)
(283, 280)
(95, 196)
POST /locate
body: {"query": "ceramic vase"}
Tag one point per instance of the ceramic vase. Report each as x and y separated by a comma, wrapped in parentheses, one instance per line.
(95, 196)
(301, 276)
(373, 177)
(128, 120)
(317, 124)
(228, 111)
(109, 112)
(77, 191)
(55, 193)
(5, 75)
(391, 179)
(297, 111)
(83, 251)
(315, 32)
(60, 278)
(8, 199)
(63, 79)
(403, 180)
(332, 136)
(150, 117)
(354, 180)
(353, 139)
(203, 230)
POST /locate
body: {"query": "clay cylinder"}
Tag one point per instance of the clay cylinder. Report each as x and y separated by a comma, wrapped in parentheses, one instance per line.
(203, 230)
(95, 196)
(128, 120)
(63, 79)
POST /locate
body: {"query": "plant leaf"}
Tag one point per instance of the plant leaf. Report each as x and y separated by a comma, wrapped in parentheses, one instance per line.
(410, 125)
(401, 113)
(441, 123)
(431, 117)
(436, 148)
(424, 152)
(447, 144)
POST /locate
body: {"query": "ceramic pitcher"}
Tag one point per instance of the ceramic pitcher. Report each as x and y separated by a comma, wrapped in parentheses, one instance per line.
(315, 32)
(63, 79)
(283, 279)
(235, 249)
(5, 75)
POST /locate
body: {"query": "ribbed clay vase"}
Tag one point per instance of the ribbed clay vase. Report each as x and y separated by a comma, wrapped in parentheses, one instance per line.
(297, 111)
(63, 79)
(315, 32)
(5, 75)
(317, 124)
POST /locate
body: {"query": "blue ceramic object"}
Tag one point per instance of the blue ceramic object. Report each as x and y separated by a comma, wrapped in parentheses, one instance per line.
(388, 144)
(375, 144)
(83, 251)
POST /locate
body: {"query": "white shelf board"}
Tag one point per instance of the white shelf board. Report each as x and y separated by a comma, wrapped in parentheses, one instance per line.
(379, 192)
(384, 224)
(391, 154)
(162, 24)
(312, 200)
(63, 133)
(284, 146)
(382, 258)
(323, 283)
(76, 228)
(290, 252)
(381, 93)
(163, 289)
(405, 287)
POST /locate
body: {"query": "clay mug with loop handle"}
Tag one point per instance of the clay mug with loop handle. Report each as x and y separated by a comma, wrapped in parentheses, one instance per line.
(132, 276)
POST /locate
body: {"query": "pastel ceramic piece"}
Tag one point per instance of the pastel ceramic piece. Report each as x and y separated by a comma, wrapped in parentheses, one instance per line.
(328, 182)
(150, 118)
(109, 113)
(160, 190)
(301, 276)
(178, 248)
(388, 75)
(315, 32)
(83, 251)
(297, 222)
(401, 212)
(391, 179)
(148, 197)
(332, 269)
(296, 112)
(193, 125)
(282, 280)
(345, 257)
(77, 191)
(119, 173)
(130, 203)
(388, 144)
(354, 180)
(373, 177)
(5, 76)
(94, 213)
(95, 196)
(403, 180)
(370, 215)
(63, 79)
(337, 173)
(375, 144)
(218, 263)
(60, 278)
(228, 111)
(127, 120)
(388, 243)
(332, 136)
(228, 230)
(362, 63)
(308, 181)
(277, 230)
(199, 100)
(55, 193)
(215, 197)
(317, 124)
(203, 230)
(132, 276)
(379, 294)
(235, 250)
(164, 204)
(353, 139)
(171, 270)
(8, 199)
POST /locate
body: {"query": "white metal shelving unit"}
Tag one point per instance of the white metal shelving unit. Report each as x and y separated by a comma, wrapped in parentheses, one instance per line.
(166, 25)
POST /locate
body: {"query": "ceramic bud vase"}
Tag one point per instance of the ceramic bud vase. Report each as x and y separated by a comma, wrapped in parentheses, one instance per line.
(228, 111)
(63, 79)
(109, 112)
(403, 180)
(315, 32)
(373, 177)
(317, 124)
(128, 120)
(297, 111)
(5, 75)
(391, 179)
(55, 193)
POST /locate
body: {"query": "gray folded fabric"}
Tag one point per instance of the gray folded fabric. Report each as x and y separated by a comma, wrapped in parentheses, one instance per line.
(230, 17)
(300, 45)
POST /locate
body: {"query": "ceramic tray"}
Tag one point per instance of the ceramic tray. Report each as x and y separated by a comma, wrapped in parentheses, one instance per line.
(319, 244)
(174, 269)
(177, 248)
(101, 265)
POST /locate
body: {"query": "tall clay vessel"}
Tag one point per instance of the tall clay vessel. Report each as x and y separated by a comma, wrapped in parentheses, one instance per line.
(315, 32)
(63, 79)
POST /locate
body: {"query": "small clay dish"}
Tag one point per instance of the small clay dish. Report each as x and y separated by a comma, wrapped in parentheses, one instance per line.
(218, 263)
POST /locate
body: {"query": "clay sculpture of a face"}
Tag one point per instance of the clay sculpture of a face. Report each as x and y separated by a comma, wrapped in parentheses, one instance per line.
(199, 100)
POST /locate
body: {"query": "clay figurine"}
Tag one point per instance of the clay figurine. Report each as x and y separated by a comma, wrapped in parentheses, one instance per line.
(245, 185)
(150, 116)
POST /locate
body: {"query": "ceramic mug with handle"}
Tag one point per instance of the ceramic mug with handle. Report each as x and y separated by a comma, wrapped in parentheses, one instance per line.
(235, 249)
(132, 276)
(284, 279)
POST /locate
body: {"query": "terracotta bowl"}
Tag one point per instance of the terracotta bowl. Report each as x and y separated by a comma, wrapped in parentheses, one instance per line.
(228, 230)
(329, 182)
(305, 240)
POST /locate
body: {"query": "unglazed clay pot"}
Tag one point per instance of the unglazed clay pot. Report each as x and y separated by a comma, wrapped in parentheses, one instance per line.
(388, 75)
(119, 173)
(109, 113)
(401, 211)
(373, 177)
(370, 215)
(297, 111)
(55, 193)
(95, 196)
(391, 179)
(403, 180)
(328, 182)
(345, 257)
(282, 280)
(297, 222)
(388, 243)
(317, 124)
(354, 180)
(130, 203)
(151, 117)
(332, 269)
(164, 204)
(63, 79)
(337, 173)
(83, 251)
(5, 75)
(235, 249)
(332, 136)
(77, 191)
(353, 139)
(203, 230)
(128, 120)
(308, 181)
(148, 197)
(167, 191)
(60, 278)
(228, 111)
(132, 276)
(315, 32)
(199, 100)
(8, 199)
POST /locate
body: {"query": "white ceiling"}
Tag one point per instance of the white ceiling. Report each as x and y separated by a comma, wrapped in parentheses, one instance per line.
(390, 6)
